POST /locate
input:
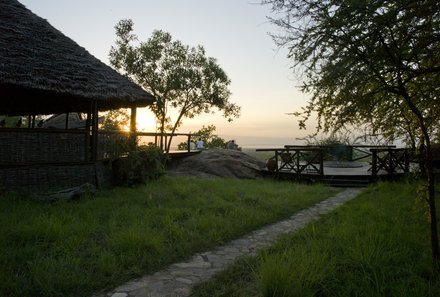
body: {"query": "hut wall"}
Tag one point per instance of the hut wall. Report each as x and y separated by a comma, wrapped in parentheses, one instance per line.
(43, 160)
(55, 177)
(46, 177)
(18, 146)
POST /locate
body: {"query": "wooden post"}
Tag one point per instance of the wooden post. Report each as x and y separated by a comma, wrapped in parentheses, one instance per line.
(390, 161)
(67, 120)
(133, 127)
(321, 162)
(94, 130)
(189, 143)
(29, 121)
(33, 121)
(406, 158)
(350, 153)
(87, 136)
(374, 163)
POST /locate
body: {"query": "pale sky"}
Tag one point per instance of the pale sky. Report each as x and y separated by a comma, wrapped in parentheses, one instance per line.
(235, 32)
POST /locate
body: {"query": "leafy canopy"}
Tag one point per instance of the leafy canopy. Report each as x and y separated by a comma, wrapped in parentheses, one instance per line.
(180, 77)
(366, 62)
(372, 62)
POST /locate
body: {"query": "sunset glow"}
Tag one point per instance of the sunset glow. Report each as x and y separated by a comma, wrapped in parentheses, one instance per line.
(145, 120)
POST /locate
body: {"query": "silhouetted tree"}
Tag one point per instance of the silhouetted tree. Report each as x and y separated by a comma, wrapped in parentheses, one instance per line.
(179, 76)
(370, 62)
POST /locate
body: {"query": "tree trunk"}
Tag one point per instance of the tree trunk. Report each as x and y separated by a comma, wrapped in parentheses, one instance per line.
(162, 131)
(429, 177)
(176, 124)
(429, 170)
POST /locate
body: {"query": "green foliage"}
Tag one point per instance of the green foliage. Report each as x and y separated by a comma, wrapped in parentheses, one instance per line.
(116, 142)
(368, 247)
(11, 121)
(180, 77)
(115, 120)
(210, 140)
(77, 249)
(146, 163)
(373, 63)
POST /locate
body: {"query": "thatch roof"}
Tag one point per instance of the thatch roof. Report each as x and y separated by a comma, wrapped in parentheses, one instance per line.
(43, 72)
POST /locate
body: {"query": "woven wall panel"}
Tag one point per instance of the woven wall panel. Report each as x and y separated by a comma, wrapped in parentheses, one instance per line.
(42, 178)
(18, 147)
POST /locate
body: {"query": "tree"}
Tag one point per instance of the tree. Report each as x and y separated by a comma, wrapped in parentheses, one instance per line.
(210, 140)
(115, 120)
(370, 62)
(180, 77)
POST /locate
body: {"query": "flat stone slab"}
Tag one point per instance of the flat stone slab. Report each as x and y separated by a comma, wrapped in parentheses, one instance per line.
(178, 279)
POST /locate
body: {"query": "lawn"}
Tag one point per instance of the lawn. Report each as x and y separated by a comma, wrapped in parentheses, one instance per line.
(376, 245)
(78, 248)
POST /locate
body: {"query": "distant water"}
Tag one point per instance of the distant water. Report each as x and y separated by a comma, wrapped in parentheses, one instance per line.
(243, 141)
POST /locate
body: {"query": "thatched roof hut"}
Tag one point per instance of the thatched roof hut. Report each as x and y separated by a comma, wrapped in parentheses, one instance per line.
(44, 72)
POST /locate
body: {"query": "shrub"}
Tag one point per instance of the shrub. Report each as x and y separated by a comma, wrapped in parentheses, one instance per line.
(139, 166)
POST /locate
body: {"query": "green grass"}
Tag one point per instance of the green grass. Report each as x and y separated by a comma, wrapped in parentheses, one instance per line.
(375, 245)
(78, 248)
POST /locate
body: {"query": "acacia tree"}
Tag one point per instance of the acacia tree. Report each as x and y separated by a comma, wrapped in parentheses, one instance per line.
(369, 62)
(180, 77)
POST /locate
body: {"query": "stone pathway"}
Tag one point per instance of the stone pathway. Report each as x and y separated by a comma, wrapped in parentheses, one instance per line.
(178, 279)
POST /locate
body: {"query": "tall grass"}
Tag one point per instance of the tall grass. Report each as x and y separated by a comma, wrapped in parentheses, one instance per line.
(376, 245)
(77, 248)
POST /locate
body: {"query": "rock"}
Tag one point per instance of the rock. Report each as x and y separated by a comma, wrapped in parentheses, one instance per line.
(217, 163)
(67, 194)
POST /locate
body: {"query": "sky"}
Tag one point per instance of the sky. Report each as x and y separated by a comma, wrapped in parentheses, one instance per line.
(235, 32)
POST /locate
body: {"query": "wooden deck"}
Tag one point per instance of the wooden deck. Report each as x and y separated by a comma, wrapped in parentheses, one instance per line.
(309, 164)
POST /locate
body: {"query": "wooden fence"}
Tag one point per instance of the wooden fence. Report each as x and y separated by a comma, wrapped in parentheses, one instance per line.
(309, 160)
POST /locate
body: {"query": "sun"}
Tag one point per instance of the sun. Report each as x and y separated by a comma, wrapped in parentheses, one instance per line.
(145, 120)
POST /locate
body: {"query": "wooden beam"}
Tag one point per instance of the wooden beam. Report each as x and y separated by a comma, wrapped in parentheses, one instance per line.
(133, 119)
(94, 130)
(67, 120)
(87, 136)
(133, 114)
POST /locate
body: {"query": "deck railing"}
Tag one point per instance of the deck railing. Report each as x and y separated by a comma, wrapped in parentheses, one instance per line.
(39, 146)
(298, 160)
(390, 160)
(309, 160)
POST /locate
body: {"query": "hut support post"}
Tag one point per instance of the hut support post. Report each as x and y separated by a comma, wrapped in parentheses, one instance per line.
(87, 137)
(67, 120)
(133, 128)
(189, 143)
(94, 130)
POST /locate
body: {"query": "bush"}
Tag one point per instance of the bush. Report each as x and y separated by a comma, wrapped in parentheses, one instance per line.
(139, 166)
(210, 140)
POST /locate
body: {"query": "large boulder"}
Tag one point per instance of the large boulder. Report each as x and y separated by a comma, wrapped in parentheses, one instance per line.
(216, 163)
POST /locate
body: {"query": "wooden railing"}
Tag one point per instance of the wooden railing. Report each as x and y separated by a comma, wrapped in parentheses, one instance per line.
(346, 152)
(389, 160)
(298, 160)
(40, 146)
(302, 160)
